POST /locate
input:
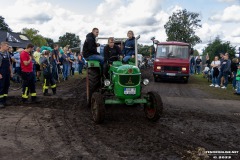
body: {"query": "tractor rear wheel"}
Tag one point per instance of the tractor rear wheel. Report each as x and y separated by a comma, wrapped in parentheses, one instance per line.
(154, 108)
(98, 107)
(93, 82)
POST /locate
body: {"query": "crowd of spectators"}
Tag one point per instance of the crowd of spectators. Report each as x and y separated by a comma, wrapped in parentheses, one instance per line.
(63, 64)
(28, 62)
(220, 71)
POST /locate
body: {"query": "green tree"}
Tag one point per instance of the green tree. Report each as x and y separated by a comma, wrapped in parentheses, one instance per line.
(145, 50)
(69, 39)
(34, 37)
(181, 27)
(4, 25)
(195, 52)
(217, 46)
(50, 42)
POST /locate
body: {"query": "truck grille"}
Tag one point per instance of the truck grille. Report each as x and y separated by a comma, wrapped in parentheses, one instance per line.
(129, 80)
(171, 68)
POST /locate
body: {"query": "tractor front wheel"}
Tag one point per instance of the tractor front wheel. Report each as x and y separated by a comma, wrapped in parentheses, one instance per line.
(153, 109)
(98, 107)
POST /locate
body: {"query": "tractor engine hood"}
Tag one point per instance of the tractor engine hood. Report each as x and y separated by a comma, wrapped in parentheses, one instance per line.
(128, 69)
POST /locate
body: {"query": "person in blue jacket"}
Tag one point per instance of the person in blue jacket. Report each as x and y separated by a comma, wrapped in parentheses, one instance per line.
(129, 47)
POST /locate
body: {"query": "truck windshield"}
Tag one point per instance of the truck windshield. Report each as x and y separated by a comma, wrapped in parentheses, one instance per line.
(172, 51)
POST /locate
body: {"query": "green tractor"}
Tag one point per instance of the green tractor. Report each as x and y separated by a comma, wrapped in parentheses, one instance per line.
(123, 86)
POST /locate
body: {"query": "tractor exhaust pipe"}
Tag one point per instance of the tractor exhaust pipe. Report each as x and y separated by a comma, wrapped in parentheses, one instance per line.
(136, 50)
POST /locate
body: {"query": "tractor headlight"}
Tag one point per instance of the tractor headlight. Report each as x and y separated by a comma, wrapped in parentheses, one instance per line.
(145, 82)
(107, 82)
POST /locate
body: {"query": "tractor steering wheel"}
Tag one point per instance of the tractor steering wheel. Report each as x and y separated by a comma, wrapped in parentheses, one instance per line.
(113, 58)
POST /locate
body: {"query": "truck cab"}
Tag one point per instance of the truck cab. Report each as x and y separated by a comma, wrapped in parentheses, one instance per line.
(172, 61)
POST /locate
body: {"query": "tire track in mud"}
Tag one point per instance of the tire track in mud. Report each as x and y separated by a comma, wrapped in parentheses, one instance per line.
(76, 130)
(75, 126)
(42, 134)
(17, 142)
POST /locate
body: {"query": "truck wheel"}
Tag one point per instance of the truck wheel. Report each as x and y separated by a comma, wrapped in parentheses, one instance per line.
(98, 107)
(154, 108)
(93, 81)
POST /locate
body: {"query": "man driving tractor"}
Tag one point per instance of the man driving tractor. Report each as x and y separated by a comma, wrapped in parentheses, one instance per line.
(112, 52)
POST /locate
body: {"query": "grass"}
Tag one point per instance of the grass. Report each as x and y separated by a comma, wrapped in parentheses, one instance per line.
(198, 81)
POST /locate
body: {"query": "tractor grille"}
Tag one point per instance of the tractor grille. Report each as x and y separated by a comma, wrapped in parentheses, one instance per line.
(171, 68)
(129, 80)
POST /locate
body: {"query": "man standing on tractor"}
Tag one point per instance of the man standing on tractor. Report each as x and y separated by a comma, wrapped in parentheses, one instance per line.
(129, 47)
(90, 47)
(112, 53)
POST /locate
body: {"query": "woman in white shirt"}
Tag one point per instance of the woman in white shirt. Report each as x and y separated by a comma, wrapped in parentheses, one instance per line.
(215, 69)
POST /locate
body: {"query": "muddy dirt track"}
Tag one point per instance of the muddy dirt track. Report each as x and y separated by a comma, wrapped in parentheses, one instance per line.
(60, 127)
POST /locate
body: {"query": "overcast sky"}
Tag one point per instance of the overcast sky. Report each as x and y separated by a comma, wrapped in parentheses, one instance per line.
(53, 18)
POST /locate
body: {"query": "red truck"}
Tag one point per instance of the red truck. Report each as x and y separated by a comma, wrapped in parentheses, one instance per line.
(172, 61)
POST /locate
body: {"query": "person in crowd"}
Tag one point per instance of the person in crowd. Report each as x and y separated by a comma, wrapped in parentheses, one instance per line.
(215, 69)
(90, 47)
(192, 64)
(34, 67)
(221, 61)
(238, 81)
(37, 56)
(65, 62)
(208, 61)
(71, 62)
(111, 53)
(129, 47)
(28, 74)
(55, 61)
(75, 68)
(47, 73)
(225, 70)
(11, 53)
(234, 68)
(16, 59)
(5, 73)
(81, 63)
(198, 64)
